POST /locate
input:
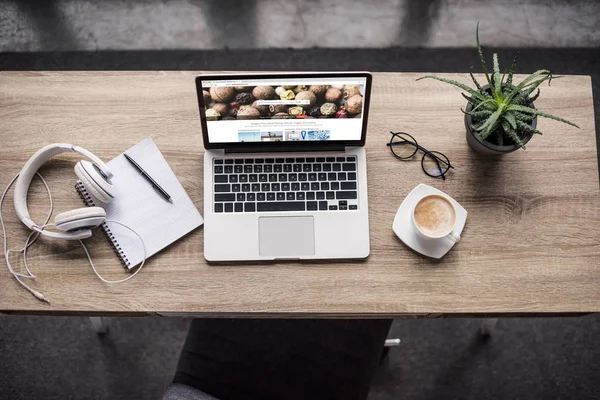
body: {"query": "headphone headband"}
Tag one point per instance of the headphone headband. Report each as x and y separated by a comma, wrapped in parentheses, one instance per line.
(99, 163)
(29, 170)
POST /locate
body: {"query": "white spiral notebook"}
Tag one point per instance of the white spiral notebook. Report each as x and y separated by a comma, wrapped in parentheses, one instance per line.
(139, 206)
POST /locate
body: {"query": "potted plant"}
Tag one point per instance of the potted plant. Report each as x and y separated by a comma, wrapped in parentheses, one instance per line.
(500, 117)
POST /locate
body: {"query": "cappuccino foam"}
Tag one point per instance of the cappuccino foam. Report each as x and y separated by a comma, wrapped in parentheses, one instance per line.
(435, 216)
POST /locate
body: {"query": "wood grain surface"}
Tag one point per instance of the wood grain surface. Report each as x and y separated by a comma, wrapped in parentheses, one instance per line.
(531, 243)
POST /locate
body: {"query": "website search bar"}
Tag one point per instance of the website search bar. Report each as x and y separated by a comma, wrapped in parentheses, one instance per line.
(283, 102)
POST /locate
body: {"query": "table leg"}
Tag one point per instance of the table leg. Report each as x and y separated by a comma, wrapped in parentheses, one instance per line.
(100, 325)
(487, 326)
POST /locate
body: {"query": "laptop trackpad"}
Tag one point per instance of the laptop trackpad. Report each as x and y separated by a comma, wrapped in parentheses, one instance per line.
(286, 237)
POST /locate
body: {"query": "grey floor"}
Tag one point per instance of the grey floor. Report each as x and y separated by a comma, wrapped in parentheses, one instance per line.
(526, 358)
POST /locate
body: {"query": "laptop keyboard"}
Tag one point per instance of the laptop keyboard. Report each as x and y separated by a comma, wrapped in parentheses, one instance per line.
(285, 184)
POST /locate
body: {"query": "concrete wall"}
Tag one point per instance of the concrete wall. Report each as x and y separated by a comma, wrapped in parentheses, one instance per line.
(204, 24)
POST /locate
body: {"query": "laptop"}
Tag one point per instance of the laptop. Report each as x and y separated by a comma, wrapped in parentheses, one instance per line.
(285, 174)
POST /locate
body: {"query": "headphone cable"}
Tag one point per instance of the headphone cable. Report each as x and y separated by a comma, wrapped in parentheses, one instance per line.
(33, 236)
(28, 242)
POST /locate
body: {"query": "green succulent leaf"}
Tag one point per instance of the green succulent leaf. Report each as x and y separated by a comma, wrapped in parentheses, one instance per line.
(513, 135)
(521, 98)
(481, 58)
(534, 98)
(472, 92)
(511, 71)
(476, 103)
(491, 123)
(497, 87)
(490, 104)
(506, 89)
(555, 77)
(477, 85)
(477, 127)
(540, 113)
(469, 99)
(526, 82)
(511, 119)
(527, 128)
(523, 117)
(496, 64)
(478, 114)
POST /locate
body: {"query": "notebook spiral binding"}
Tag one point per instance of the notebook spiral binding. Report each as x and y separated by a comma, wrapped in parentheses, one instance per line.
(88, 200)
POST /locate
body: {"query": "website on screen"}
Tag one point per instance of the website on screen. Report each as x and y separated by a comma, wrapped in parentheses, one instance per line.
(284, 110)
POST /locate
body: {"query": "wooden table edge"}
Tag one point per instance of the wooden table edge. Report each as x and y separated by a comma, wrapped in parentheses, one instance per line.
(245, 315)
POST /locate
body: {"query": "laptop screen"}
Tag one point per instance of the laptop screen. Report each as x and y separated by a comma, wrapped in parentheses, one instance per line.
(284, 109)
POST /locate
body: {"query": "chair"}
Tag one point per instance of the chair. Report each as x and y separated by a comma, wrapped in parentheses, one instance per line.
(275, 358)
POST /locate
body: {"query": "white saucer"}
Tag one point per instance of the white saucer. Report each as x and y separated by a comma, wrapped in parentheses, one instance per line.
(404, 229)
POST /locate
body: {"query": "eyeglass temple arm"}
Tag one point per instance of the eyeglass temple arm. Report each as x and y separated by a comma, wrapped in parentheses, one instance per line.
(437, 161)
(397, 134)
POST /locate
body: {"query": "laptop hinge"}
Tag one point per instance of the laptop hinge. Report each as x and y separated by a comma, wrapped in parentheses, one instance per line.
(286, 149)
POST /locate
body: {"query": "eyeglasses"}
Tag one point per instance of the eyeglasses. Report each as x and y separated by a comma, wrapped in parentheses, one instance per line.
(404, 147)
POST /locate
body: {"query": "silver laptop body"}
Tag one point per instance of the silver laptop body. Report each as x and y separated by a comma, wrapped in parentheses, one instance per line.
(285, 173)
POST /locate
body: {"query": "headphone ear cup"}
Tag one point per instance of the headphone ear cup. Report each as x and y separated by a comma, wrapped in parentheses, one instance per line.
(80, 218)
(94, 182)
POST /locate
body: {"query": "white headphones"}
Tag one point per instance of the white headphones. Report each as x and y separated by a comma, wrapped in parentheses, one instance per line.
(77, 223)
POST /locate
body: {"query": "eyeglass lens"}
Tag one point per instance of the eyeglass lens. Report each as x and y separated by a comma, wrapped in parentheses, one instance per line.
(435, 163)
(403, 145)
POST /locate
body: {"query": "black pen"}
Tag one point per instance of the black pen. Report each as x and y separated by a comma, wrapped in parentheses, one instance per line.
(155, 185)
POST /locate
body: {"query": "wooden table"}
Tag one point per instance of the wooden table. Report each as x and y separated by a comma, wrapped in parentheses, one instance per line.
(531, 243)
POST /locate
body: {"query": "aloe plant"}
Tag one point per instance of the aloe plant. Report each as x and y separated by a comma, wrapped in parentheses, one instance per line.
(504, 108)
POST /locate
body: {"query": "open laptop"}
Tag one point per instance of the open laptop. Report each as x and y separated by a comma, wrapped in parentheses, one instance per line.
(285, 173)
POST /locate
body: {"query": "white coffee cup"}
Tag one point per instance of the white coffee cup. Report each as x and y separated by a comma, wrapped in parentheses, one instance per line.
(434, 217)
